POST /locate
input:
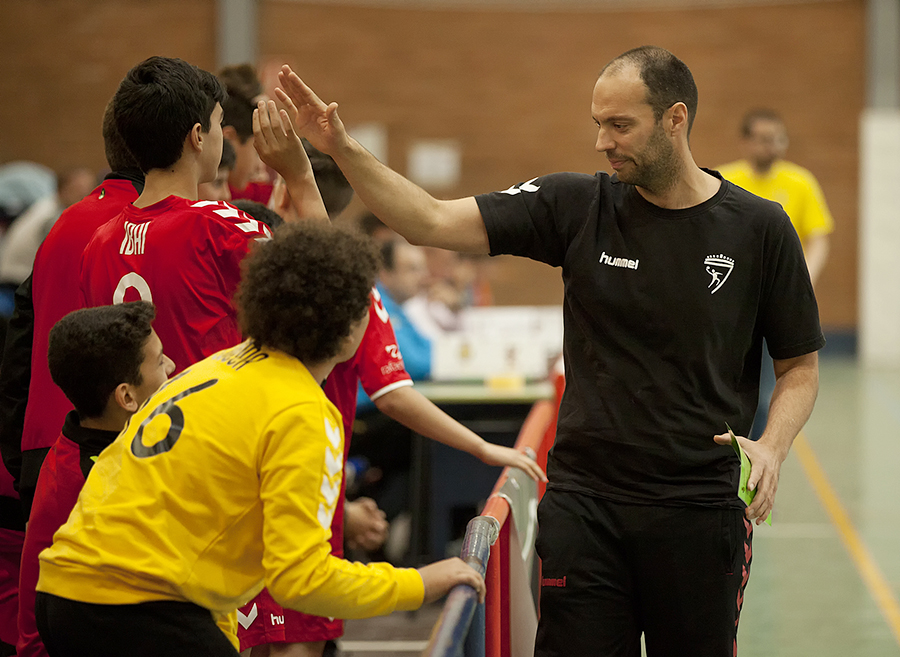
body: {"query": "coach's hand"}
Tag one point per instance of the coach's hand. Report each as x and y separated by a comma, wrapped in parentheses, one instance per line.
(765, 469)
(442, 576)
(317, 122)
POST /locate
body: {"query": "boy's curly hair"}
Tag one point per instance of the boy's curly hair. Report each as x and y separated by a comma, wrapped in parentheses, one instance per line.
(302, 290)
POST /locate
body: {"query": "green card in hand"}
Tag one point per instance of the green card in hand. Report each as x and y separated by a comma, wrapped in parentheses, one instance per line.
(743, 492)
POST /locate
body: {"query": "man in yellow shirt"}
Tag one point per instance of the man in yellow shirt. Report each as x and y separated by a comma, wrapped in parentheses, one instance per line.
(228, 477)
(765, 172)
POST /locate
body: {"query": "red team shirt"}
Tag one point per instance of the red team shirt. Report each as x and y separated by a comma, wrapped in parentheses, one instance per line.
(55, 293)
(378, 366)
(254, 191)
(185, 257)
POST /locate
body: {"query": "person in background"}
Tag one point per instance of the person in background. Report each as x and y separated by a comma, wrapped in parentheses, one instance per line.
(217, 190)
(244, 91)
(764, 172)
(21, 242)
(108, 361)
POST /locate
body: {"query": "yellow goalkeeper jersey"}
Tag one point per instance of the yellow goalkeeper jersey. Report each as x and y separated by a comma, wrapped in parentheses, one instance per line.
(225, 481)
(794, 187)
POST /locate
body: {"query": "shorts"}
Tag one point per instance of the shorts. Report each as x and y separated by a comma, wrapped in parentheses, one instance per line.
(613, 571)
(148, 629)
(262, 621)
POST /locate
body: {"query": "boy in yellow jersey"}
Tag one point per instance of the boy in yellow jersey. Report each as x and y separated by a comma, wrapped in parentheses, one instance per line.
(227, 480)
(765, 172)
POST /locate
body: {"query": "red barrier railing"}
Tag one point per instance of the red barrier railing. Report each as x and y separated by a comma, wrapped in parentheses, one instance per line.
(452, 630)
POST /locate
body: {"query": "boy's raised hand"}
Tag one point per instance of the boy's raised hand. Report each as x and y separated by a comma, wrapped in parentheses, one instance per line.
(276, 142)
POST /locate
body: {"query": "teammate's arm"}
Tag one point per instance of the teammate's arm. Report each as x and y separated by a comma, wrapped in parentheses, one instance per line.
(412, 409)
(796, 388)
(280, 148)
(405, 207)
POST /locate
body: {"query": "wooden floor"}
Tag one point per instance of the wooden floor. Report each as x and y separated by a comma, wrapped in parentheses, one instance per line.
(825, 578)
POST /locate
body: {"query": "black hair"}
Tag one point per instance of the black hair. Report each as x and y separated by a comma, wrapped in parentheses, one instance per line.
(158, 104)
(759, 114)
(336, 192)
(243, 87)
(667, 78)
(302, 291)
(118, 157)
(259, 212)
(93, 350)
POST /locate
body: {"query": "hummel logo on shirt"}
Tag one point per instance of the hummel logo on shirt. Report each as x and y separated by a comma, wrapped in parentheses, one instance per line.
(331, 479)
(247, 621)
(612, 261)
(524, 187)
(719, 267)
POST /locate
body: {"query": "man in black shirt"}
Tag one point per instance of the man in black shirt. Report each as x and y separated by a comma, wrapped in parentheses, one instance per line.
(673, 277)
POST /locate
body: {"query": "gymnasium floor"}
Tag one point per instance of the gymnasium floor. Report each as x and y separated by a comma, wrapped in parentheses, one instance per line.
(809, 595)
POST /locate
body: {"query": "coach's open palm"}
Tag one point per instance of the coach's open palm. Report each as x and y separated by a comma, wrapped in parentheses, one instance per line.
(313, 119)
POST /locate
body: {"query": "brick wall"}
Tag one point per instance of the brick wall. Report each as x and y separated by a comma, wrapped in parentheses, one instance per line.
(513, 87)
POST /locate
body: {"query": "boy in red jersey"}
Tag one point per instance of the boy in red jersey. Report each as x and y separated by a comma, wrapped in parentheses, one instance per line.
(107, 361)
(167, 247)
(32, 407)
(244, 92)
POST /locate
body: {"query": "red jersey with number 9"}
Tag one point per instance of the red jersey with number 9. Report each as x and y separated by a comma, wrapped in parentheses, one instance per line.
(182, 255)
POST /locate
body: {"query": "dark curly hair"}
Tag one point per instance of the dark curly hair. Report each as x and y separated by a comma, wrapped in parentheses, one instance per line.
(93, 350)
(302, 290)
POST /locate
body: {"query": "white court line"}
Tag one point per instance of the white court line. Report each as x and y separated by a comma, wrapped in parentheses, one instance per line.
(382, 646)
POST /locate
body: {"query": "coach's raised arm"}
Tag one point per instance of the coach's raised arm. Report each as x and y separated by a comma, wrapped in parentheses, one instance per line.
(405, 207)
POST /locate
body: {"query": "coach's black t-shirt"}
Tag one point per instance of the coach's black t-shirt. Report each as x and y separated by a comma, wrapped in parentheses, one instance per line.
(665, 312)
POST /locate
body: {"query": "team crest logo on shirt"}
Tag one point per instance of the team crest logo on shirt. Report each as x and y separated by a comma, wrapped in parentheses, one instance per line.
(719, 267)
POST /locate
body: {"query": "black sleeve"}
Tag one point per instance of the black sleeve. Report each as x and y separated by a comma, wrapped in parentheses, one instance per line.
(537, 219)
(790, 314)
(15, 377)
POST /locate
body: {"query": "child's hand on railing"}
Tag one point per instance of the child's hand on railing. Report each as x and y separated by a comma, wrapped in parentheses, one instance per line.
(442, 576)
(498, 455)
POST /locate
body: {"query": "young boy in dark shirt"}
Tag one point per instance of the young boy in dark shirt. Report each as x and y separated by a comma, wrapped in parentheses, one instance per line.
(108, 361)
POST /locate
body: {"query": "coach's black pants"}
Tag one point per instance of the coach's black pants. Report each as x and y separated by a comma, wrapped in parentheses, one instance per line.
(611, 571)
(148, 629)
